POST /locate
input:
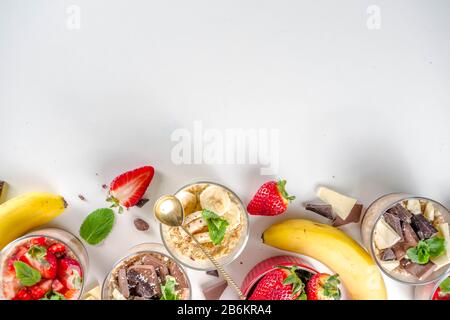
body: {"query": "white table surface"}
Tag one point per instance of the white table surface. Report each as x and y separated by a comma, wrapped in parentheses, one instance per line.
(363, 110)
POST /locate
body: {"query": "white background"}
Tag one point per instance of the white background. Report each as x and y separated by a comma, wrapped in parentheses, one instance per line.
(365, 111)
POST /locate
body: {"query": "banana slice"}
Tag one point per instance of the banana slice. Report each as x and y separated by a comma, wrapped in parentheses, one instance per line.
(233, 216)
(216, 199)
(191, 217)
(188, 200)
(203, 237)
(196, 225)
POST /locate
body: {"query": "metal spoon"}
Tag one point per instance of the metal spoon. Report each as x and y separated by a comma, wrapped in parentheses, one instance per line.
(169, 211)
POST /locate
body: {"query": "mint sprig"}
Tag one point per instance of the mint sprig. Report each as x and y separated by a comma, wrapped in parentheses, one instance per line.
(51, 295)
(27, 275)
(217, 226)
(97, 226)
(168, 289)
(426, 250)
(445, 287)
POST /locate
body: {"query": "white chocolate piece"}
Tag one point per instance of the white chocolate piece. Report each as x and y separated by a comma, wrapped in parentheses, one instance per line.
(384, 236)
(414, 206)
(340, 203)
(390, 265)
(429, 212)
(443, 260)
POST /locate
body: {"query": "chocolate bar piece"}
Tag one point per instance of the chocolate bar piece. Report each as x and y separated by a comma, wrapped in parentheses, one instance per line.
(420, 271)
(388, 255)
(353, 216)
(409, 235)
(215, 291)
(395, 222)
(213, 273)
(325, 210)
(401, 212)
(423, 228)
(400, 250)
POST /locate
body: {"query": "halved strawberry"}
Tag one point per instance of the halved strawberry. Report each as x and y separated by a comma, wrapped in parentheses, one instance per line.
(128, 188)
(70, 274)
(39, 258)
(39, 241)
(271, 199)
(323, 286)
(39, 290)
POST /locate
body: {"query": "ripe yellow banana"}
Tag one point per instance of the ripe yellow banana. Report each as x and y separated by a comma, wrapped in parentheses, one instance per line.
(26, 212)
(334, 248)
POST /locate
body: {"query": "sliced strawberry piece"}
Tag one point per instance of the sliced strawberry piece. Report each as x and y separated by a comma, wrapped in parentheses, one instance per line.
(58, 249)
(39, 290)
(70, 294)
(70, 274)
(39, 241)
(271, 199)
(128, 188)
(323, 286)
(23, 294)
(41, 259)
(57, 286)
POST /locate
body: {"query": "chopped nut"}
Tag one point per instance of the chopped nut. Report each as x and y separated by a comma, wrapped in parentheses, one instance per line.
(141, 225)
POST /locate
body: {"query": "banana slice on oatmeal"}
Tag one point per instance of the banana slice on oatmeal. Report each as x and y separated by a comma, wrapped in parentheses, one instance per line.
(216, 199)
(191, 217)
(233, 217)
(196, 225)
(203, 237)
(188, 200)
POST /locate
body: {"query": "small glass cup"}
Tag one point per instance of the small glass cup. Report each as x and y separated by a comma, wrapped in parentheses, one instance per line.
(137, 250)
(72, 243)
(206, 265)
(426, 292)
(371, 217)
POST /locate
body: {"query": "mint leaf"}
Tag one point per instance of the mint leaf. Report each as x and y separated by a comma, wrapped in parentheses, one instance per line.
(53, 296)
(37, 252)
(445, 286)
(419, 254)
(97, 226)
(217, 226)
(436, 246)
(168, 289)
(27, 275)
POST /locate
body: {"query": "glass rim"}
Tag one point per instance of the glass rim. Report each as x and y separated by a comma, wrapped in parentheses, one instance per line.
(143, 251)
(372, 244)
(37, 234)
(236, 254)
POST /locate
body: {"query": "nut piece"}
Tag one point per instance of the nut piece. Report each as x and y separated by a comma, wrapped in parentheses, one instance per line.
(141, 225)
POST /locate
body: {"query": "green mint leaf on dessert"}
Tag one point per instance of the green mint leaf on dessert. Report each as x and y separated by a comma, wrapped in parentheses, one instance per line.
(216, 226)
(419, 254)
(331, 287)
(445, 286)
(53, 296)
(436, 246)
(37, 252)
(168, 289)
(97, 226)
(27, 275)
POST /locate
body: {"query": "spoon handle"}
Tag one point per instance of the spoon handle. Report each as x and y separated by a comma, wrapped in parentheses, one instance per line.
(219, 268)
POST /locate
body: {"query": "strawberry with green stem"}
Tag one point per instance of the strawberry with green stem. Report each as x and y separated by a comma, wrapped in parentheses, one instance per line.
(323, 286)
(271, 199)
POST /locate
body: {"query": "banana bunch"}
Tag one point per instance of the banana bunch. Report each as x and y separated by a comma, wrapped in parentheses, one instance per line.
(338, 251)
(27, 211)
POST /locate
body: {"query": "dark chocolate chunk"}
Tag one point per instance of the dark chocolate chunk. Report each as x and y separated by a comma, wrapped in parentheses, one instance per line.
(325, 210)
(215, 291)
(175, 271)
(353, 216)
(123, 283)
(420, 271)
(388, 255)
(423, 228)
(213, 273)
(400, 250)
(140, 224)
(82, 198)
(104, 186)
(395, 223)
(144, 280)
(401, 212)
(141, 202)
(409, 235)
(160, 265)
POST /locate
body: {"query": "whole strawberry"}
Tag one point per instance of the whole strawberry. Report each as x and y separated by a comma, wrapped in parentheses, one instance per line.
(279, 284)
(128, 188)
(271, 199)
(323, 286)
